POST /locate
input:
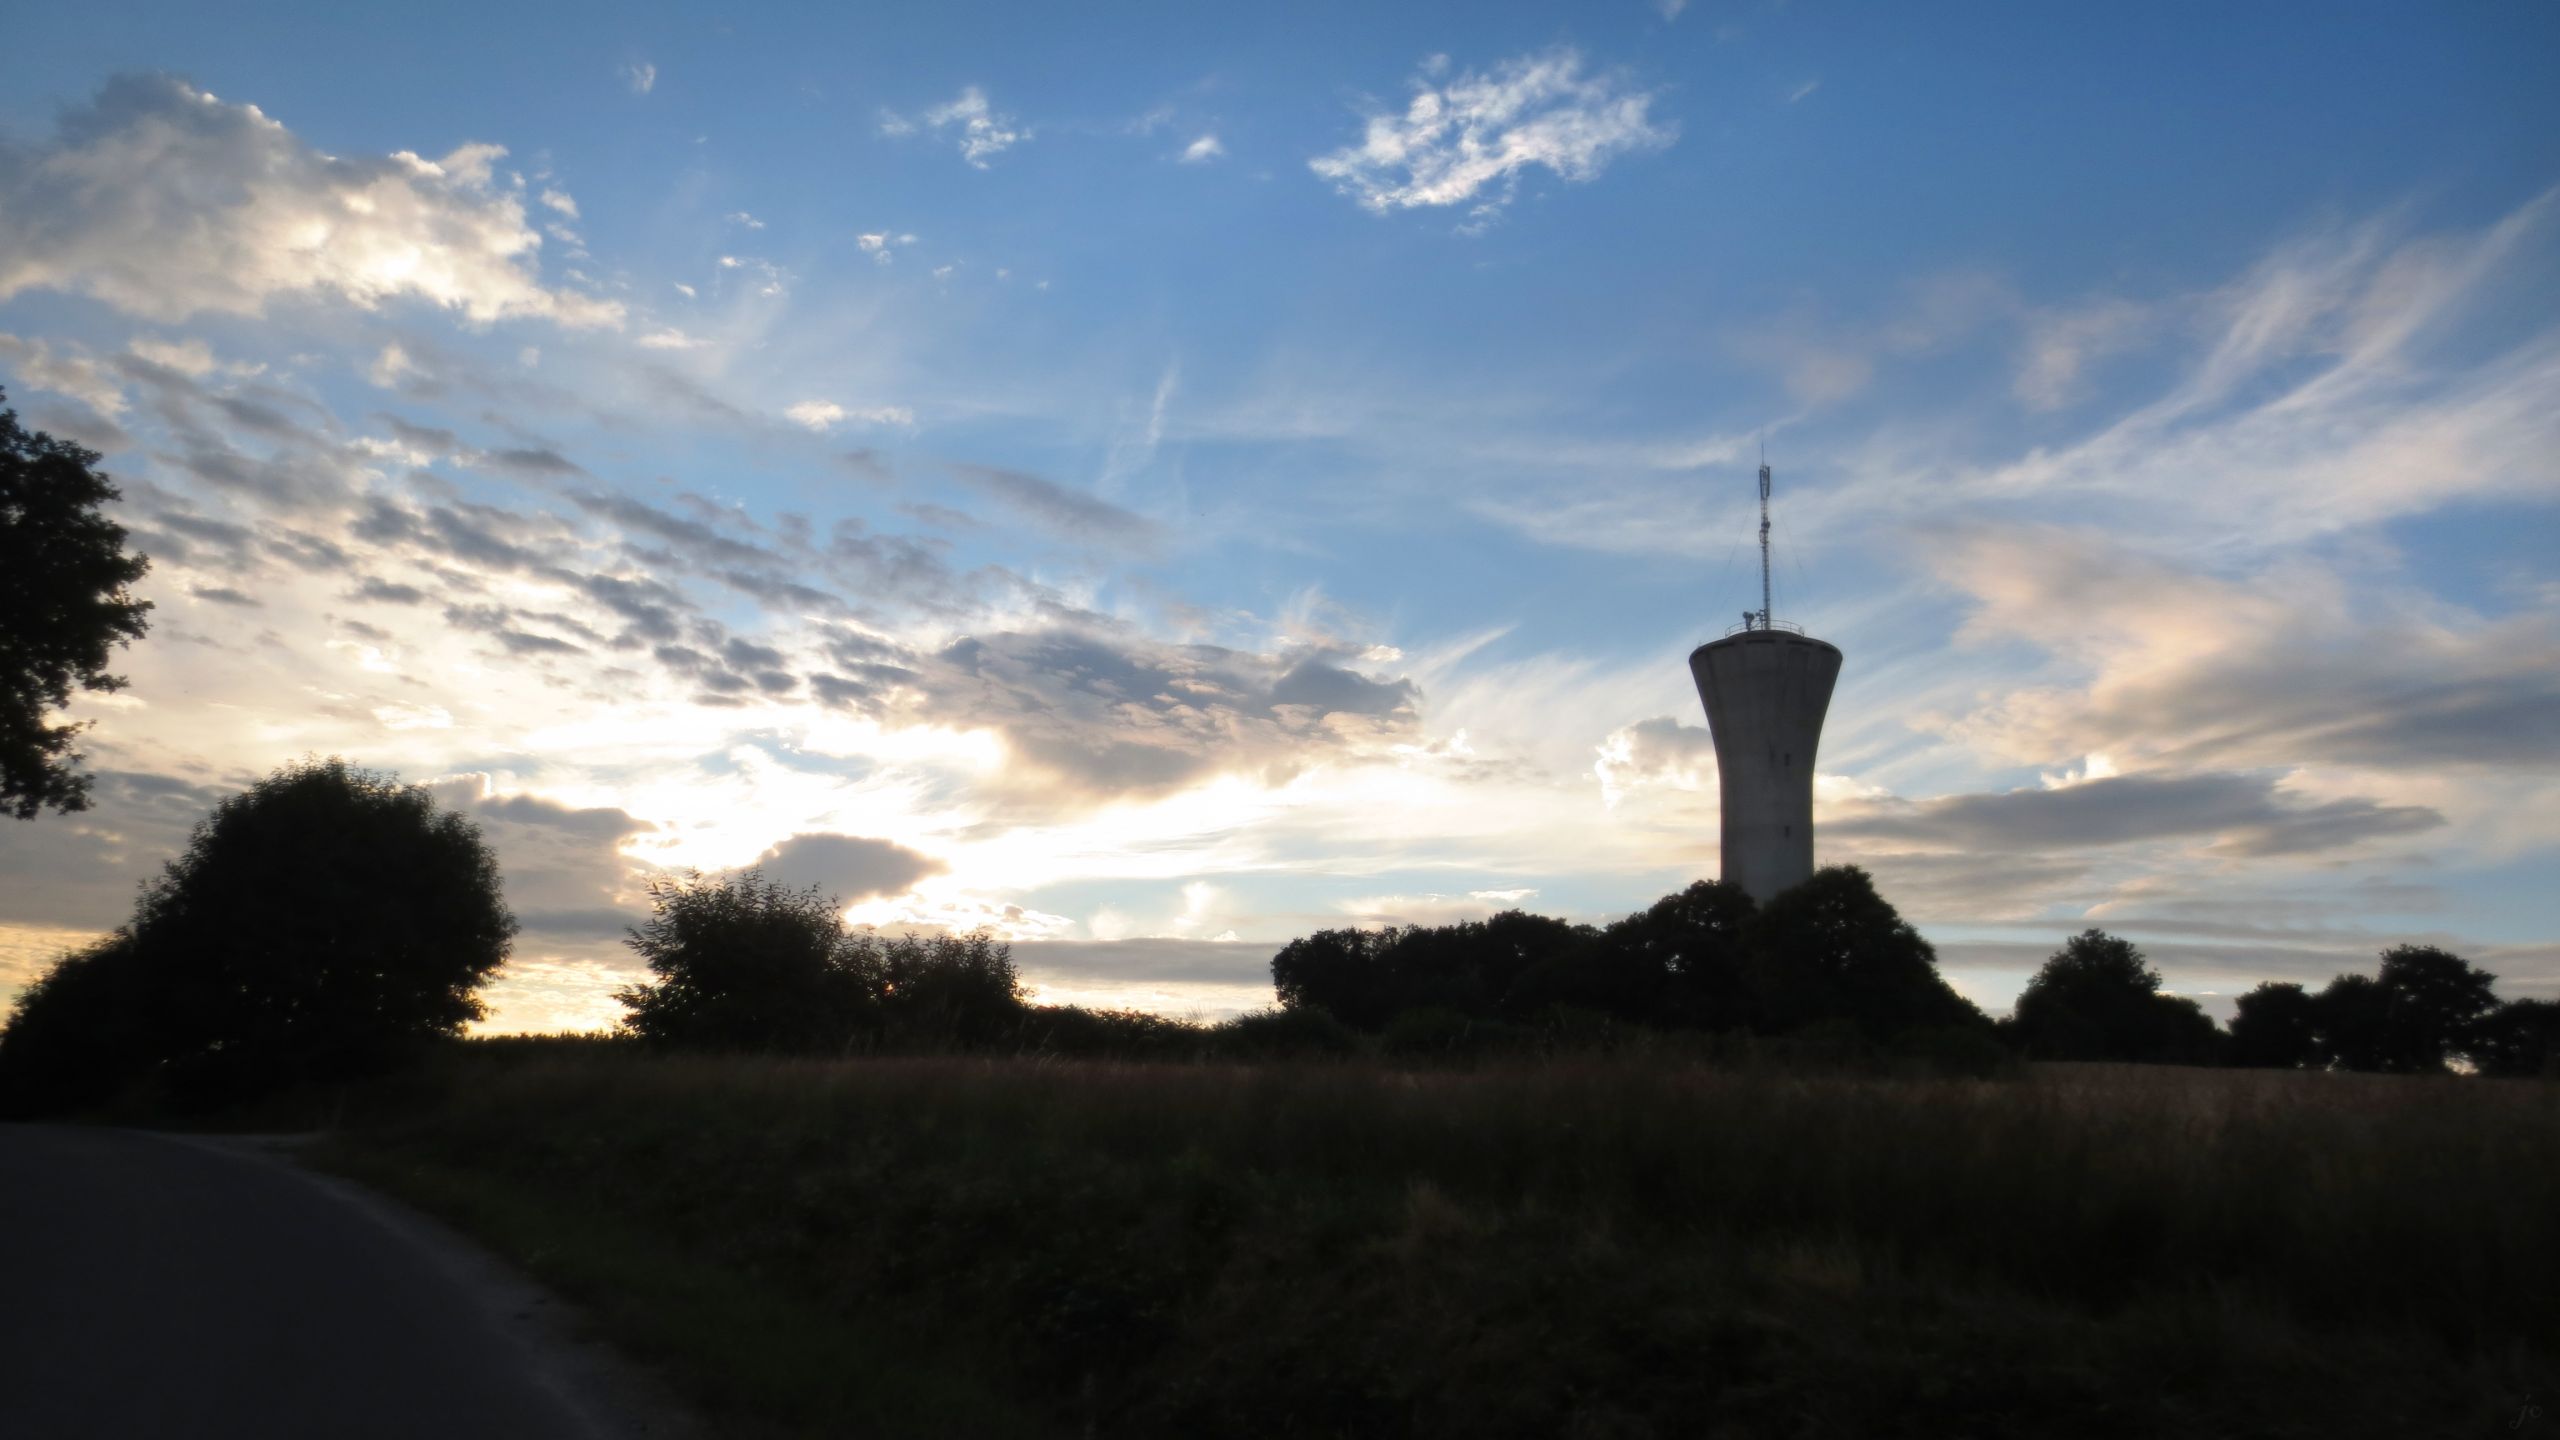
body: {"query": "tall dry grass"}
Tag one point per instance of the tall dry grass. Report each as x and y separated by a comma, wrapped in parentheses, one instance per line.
(1591, 1246)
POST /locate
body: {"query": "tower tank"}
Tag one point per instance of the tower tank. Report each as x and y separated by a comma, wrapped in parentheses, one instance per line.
(1766, 686)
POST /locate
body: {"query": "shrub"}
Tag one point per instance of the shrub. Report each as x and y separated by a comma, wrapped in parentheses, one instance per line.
(1286, 1034)
(945, 991)
(747, 964)
(1075, 1030)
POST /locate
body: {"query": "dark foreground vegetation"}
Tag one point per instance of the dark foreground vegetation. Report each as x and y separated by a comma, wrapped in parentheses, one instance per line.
(1625, 1246)
(1714, 1169)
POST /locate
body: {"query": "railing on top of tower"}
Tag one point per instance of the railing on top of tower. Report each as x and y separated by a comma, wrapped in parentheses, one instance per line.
(1753, 620)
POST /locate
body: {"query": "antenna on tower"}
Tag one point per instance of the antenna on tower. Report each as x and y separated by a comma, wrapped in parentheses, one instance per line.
(1764, 537)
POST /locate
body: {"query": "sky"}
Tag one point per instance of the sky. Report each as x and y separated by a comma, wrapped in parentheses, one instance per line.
(1160, 480)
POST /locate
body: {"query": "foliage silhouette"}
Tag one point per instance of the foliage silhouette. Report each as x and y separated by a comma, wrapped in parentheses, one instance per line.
(64, 605)
(945, 991)
(78, 1034)
(746, 964)
(2520, 1038)
(321, 924)
(2420, 1013)
(1679, 963)
(1831, 948)
(2097, 998)
(2276, 1027)
(1703, 958)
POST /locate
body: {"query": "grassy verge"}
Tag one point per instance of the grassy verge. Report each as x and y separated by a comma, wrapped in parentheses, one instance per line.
(953, 1246)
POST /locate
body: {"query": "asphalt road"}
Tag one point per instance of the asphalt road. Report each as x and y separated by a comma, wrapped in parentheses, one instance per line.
(158, 1286)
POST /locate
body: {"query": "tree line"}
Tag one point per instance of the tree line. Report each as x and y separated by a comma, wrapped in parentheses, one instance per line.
(1831, 960)
(329, 923)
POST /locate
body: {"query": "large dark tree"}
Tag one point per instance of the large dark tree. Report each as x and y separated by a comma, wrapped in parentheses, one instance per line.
(2421, 1012)
(1832, 949)
(2097, 998)
(322, 923)
(2277, 1027)
(325, 919)
(64, 605)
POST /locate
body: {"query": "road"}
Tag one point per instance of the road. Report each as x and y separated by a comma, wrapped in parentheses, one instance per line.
(160, 1286)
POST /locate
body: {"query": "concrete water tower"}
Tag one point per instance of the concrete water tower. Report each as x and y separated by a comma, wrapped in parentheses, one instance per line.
(1766, 685)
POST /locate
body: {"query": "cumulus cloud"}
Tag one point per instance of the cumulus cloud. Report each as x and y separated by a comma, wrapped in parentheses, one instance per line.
(847, 867)
(1467, 140)
(1655, 752)
(166, 202)
(981, 131)
(1203, 150)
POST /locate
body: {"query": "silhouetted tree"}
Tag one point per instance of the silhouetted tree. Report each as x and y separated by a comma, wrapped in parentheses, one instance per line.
(78, 1034)
(744, 963)
(63, 606)
(2097, 998)
(2277, 1027)
(1831, 948)
(1340, 972)
(945, 991)
(2419, 1013)
(2519, 1038)
(1678, 963)
(2354, 1018)
(2438, 1000)
(320, 922)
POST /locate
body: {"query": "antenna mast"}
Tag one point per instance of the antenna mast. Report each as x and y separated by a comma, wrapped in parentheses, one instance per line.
(1764, 540)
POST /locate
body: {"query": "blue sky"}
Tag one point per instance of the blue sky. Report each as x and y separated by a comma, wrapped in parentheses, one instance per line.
(1161, 482)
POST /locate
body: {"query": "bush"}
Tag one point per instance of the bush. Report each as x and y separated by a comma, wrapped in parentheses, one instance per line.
(1288, 1034)
(1075, 1030)
(746, 964)
(945, 991)
(1433, 1034)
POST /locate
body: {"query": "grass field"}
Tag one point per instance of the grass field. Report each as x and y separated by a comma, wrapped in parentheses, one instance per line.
(1583, 1248)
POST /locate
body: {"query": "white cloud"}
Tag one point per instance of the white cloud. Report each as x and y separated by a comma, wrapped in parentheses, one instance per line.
(1803, 90)
(741, 217)
(560, 200)
(825, 415)
(77, 376)
(881, 245)
(165, 202)
(982, 131)
(641, 76)
(1203, 150)
(1473, 136)
(389, 366)
(670, 338)
(187, 357)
